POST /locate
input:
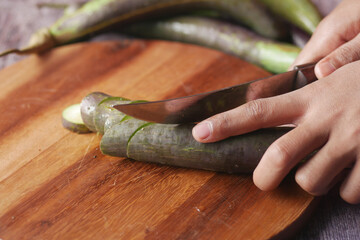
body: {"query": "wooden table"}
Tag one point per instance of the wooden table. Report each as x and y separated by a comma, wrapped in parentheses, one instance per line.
(334, 219)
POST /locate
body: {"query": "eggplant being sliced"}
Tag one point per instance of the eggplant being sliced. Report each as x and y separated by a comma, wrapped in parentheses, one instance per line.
(171, 144)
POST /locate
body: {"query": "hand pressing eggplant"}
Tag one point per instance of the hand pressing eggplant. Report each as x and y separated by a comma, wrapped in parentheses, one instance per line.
(169, 144)
(325, 114)
(336, 41)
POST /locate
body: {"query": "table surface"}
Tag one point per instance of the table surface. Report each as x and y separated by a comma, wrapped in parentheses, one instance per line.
(333, 219)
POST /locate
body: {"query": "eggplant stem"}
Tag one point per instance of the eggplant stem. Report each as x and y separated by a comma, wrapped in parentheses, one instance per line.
(52, 5)
(13, 50)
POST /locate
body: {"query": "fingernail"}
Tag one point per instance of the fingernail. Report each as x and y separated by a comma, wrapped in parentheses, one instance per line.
(325, 68)
(202, 130)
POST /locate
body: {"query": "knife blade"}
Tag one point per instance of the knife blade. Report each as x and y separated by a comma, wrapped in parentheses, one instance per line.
(198, 107)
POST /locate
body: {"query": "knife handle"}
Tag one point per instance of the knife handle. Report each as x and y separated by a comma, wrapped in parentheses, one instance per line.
(305, 74)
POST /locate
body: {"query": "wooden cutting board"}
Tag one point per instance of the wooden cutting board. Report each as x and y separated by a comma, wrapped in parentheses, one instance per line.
(55, 184)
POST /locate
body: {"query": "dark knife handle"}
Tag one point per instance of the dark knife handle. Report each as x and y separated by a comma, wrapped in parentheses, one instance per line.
(305, 74)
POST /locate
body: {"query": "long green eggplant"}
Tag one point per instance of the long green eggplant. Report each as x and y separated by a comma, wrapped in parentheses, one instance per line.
(89, 106)
(301, 13)
(172, 144)
(96, 15)
(274, 56)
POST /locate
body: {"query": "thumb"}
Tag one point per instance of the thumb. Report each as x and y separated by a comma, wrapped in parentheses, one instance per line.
(346, 53)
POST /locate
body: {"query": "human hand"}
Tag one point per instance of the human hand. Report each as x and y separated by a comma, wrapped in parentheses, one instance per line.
(335, 41)
(326, 114)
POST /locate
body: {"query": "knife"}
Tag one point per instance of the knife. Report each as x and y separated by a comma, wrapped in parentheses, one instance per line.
(196, 108)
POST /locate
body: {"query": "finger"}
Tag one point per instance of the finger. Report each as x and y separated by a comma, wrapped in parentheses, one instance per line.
(251, 116)
(317, 175)
(321, 43)
(340, 26)
(346, 53)
(285, 153)
(350, 189)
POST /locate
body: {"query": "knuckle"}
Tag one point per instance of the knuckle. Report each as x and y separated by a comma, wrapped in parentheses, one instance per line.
(350, 198)
(256, 110)
(224, 124)
(281, 155)
(307, 183)
(350, 188)
(345, 54)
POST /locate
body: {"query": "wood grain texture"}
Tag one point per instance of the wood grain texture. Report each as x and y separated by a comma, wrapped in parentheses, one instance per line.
(55, 184)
